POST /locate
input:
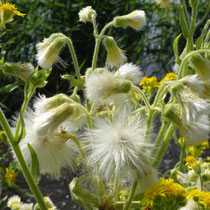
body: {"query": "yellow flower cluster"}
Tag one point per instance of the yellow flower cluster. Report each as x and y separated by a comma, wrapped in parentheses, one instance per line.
(10, 176)
(165, 188)
(149, 83)
(197, 150)
(191, 161)
(7, 12)
(169, 76)
(202, 198)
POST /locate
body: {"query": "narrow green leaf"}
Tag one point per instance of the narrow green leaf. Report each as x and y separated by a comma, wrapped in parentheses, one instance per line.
(198, 42)
(82, 196)
(175, 45)
(35, 164)
(184, 22)
(9, 88)
(74, 82)
(23, 130)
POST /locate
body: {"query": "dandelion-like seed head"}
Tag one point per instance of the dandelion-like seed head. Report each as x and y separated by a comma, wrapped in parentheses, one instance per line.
(135, 20)
(86, 14)
(119, 148)
(103, 85)
(130, 72)
(54, 151)
(201, 88)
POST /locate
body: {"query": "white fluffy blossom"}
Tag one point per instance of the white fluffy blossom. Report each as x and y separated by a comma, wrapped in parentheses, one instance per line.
(192, 105)
(26, 206)
(118, 147)
(104, 85)
(49, 203)
(48, 51)
(54, 152)
(135, 20)
(44, 106)
(14, 201)
(85, 14)
(194, 131)
(130, 72)
(201, 88)
(197, 131)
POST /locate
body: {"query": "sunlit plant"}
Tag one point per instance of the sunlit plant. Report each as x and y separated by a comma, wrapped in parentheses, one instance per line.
(108, 129)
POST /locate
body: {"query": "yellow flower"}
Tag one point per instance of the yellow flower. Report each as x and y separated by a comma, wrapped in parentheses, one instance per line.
(169, 76)
(166, 188)
(10, 176)
(8, 11)
(149, 83)
(197, 150)
(190, 161)
(203, 198)
(123, 194)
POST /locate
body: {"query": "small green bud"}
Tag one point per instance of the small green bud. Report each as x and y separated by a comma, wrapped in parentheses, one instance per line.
(125, 87)
(23, 71)
(38, 79)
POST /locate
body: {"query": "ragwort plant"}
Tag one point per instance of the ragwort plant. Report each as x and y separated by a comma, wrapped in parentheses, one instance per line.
(108, 129)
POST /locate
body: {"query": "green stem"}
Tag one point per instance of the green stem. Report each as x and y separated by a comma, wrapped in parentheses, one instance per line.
(142, 95)
(186, 58)
(74, 58)
(189, 45)
(88, 117)
(183, 147)
(98, 41)
(76, 141)
(131, 194)
(23, 108)
(95, 28)
(158, 157)
(33, 186)
(201, 182)
(162, 90)
(147, 136)
(159, 138)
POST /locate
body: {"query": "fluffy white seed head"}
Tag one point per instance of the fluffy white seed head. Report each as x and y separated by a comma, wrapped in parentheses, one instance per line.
(194, 131)
(103, 85)
(130, 72)
(86, 14)
(135, 20)
(49, 203)
(192, 105)
(118, 147)
(201, 88)
(176, 68)
(54, 152)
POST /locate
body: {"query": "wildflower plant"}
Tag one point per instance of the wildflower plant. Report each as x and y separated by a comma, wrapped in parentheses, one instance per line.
(108, 128)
